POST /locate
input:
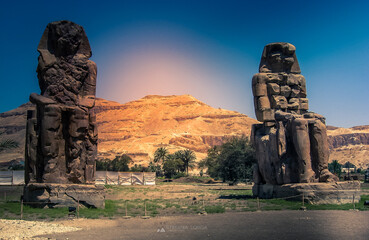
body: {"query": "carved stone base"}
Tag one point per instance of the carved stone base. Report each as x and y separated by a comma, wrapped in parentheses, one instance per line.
(314, 193)
(63, 195)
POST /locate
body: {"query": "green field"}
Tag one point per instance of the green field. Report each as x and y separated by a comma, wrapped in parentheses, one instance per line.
(165, 199)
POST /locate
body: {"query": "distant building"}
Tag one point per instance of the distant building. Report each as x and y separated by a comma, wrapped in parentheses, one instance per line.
(345, 170)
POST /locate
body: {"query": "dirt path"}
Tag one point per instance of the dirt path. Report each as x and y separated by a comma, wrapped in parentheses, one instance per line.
(18, 229)
(249, 225)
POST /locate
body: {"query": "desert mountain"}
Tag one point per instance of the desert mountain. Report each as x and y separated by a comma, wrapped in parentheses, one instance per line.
(350, 144)
(139, 127)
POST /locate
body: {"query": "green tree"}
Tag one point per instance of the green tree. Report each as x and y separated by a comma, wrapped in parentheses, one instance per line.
(138, 168)
(155, 168)
(172, 165)
(121, 163)
(118, 164)
(335, 168)
(348, 165)
(232, 161)
(102, 164)
(188, 158)
(7, 143)
(211, 162)
(16, 166)
(160, 154)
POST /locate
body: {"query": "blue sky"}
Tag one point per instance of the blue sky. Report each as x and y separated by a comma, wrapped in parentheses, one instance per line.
(209, 49)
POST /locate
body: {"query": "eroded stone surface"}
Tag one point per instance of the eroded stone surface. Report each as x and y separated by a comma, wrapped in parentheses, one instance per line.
(64, 195)
(313, 193)
(291, 144)
(61, 136)
(61, 133)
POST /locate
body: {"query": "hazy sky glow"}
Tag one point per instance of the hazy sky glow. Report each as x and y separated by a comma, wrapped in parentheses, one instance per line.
(209, 49)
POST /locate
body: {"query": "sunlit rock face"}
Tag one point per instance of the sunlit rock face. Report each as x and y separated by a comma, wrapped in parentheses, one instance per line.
(291, 143)
(61, 133)
(139, 127)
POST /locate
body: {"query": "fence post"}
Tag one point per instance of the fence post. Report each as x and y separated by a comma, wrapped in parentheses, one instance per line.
(353, 200)
(303, 199)
(126, 209)
(78, 209)
(145, 208)
(21, 209)
(258, 203)
(12, 177)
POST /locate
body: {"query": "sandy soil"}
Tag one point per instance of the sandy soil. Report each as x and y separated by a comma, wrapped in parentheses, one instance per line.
(177, 191)
(19, 229)
(250, 225)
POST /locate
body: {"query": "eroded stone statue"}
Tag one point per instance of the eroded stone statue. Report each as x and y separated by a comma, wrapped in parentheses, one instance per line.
(291, 143)
(61, 138)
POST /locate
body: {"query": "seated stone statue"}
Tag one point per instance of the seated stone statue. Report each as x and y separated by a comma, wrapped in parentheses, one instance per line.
(291, 144)
(61, 141)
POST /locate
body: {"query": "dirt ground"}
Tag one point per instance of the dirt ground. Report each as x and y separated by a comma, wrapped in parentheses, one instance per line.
(172, 191)
(249, 225)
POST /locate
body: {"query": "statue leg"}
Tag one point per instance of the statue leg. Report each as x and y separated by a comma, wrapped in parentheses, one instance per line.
(320, 151)
(30, 155)
(77, 137)
(52, 144)
(91, 149)
(301, 144)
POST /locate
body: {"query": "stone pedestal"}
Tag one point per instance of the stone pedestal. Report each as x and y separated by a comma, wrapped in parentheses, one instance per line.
(314, 193)
(64, 195)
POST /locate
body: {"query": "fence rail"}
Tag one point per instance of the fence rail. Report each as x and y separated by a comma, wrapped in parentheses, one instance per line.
(125, 178)
(10, 178)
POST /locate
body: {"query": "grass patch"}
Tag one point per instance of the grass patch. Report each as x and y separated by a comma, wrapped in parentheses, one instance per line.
(215, 209)
(111, 209)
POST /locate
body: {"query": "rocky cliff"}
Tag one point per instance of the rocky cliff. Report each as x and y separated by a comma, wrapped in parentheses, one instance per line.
(176, 122)
(350, 144)
(139, 127)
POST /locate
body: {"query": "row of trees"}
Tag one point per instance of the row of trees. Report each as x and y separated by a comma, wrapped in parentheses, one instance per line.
(232, 161)
(121, 163)
(336, 168)
(175, 164)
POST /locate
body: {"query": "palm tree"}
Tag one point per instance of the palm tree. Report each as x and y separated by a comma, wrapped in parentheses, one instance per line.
(160, 154)
(188, 157)
(335, 167)
(7, 144)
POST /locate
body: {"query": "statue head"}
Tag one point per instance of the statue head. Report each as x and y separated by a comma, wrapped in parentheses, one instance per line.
(279, 57)
(64, 38)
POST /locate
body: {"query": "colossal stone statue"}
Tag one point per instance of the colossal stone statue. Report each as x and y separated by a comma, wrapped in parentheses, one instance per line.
(61, 138)
(291, 143)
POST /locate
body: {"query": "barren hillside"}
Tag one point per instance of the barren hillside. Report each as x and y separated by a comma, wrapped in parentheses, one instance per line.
(140, 127)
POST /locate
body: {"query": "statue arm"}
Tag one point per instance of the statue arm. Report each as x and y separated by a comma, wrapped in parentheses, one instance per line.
(87, 98)
(39, 99)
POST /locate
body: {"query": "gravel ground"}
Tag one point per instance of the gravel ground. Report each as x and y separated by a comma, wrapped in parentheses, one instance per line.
(335, 225)
(20, 229)
(314, 225)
